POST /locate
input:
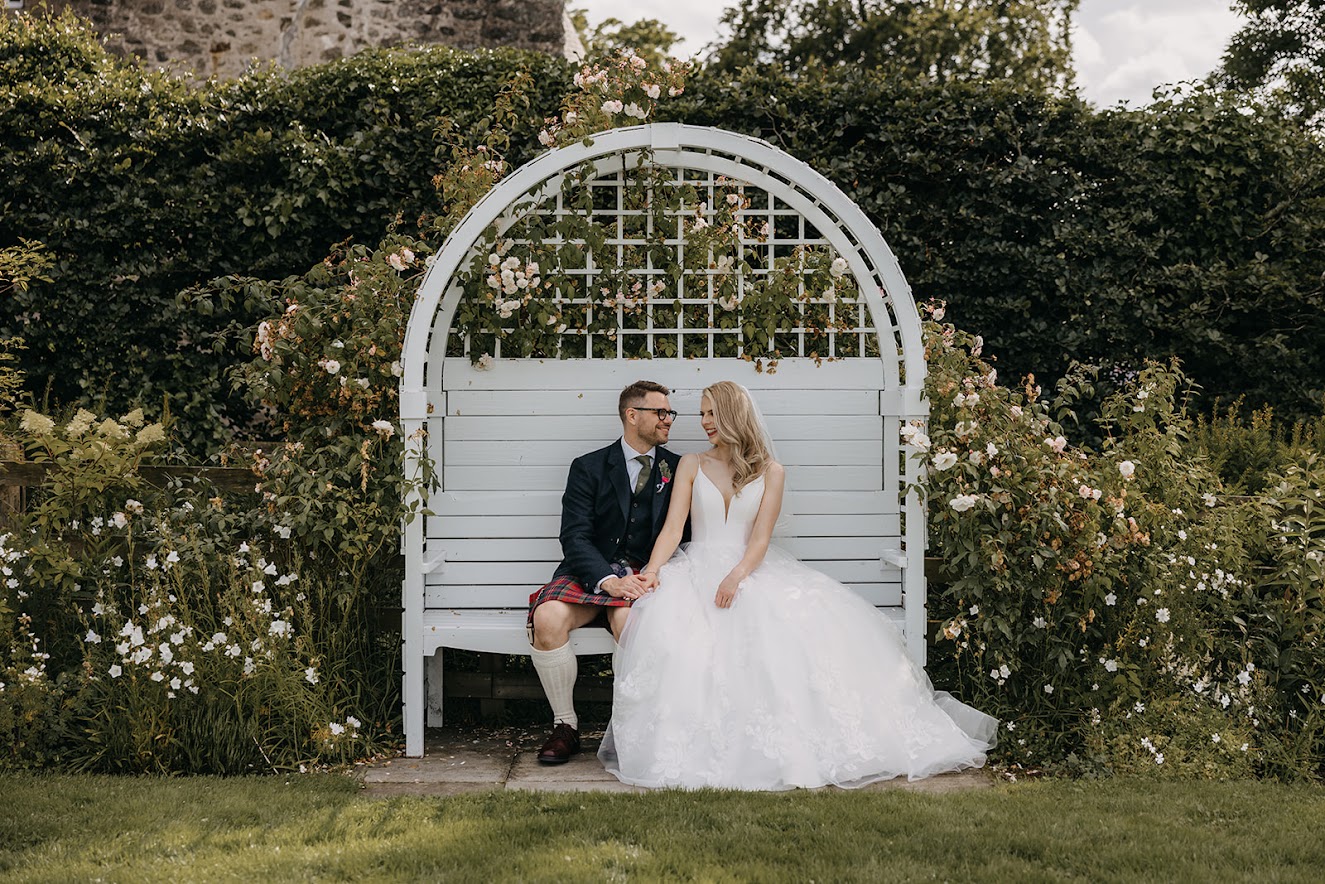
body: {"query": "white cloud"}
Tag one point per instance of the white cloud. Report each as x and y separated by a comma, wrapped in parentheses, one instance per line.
(1125, 48)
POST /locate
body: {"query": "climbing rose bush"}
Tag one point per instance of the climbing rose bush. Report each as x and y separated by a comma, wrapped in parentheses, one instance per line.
(1116, 606)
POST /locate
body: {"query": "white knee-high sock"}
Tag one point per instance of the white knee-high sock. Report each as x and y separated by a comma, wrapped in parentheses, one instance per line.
(557, 669)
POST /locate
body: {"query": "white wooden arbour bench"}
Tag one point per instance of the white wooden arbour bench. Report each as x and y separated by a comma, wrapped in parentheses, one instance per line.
(502, 439)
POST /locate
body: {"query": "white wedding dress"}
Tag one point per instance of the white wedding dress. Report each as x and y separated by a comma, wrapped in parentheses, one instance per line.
(800, 683)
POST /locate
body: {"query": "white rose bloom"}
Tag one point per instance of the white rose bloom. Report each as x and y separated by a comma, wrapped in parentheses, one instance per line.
(1127, 469)
(332, 366)
(837, 268)
(963, 502)
(945, 461)
(384, 428)
(653, 90)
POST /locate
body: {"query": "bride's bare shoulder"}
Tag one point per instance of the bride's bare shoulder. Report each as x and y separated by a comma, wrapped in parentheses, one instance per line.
(689, 464)
(775, 472)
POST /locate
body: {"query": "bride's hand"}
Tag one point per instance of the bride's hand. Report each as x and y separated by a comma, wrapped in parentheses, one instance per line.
(727, 591)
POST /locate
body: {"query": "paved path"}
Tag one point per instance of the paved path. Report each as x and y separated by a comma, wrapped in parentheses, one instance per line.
(458, 761)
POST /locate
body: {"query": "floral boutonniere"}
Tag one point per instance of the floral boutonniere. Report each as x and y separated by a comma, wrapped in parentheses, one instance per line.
(666, 470)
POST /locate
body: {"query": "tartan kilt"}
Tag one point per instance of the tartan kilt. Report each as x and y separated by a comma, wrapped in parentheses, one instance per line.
(567, 589)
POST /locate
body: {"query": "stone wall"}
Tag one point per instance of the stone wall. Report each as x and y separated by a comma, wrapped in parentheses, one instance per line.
(222, 37)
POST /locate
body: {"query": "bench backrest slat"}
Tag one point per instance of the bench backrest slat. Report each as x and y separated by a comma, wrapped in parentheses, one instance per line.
(505, 451)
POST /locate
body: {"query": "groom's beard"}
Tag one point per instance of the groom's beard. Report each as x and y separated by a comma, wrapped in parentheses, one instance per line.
(658, 436)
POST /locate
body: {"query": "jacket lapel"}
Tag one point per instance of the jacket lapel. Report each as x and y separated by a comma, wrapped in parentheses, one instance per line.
(616, 474)
(661, 497)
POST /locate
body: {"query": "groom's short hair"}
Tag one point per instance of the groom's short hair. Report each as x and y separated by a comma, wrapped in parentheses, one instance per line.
(633, 396)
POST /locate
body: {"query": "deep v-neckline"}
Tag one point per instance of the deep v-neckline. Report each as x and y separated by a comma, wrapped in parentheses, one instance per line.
(726, 501)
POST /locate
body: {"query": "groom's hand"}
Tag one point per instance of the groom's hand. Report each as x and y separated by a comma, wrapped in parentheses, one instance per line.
(631, 587)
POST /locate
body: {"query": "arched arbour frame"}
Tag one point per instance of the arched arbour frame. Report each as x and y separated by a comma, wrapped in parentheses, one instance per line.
(839, 221)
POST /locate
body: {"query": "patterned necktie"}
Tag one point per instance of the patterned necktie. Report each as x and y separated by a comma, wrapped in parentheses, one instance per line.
(645, 462)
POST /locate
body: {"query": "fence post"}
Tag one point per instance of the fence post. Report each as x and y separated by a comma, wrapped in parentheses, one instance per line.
(13, 498)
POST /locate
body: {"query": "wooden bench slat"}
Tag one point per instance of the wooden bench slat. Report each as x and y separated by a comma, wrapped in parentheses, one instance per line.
(523, 453)
(532, 574)
(498, 503)
(603, 402)
(549, 526)
(503, 632)
(548, 549)
(803, 548)
(517, 597)
(553, 478)
(683, 375)
(596, 431)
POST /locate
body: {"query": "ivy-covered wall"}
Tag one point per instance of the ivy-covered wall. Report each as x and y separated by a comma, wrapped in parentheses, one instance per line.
(1058, 232)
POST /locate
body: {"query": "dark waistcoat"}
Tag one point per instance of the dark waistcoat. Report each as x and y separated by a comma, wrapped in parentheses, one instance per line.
(637, 541)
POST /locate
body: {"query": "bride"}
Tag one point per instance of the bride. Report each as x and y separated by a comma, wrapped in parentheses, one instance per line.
(743, 668)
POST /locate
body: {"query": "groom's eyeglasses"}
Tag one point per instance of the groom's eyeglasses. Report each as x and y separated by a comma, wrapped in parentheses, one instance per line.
(664, 414)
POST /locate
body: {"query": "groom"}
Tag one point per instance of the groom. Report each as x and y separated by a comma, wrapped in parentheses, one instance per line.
(611, 513)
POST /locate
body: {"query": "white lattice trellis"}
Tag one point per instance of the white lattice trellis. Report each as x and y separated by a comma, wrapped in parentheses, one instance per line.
(850, 372)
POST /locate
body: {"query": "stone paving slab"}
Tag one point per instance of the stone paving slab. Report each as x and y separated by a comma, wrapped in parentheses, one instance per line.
(476, 760)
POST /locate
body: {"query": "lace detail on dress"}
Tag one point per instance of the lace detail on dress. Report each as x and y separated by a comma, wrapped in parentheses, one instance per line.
(800, 683)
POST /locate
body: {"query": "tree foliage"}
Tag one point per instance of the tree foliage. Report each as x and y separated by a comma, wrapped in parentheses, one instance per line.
(1026, 41)
(649, 38)
(1280, 53)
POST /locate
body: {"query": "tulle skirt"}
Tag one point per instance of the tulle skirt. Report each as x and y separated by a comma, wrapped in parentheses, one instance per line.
(801, 683)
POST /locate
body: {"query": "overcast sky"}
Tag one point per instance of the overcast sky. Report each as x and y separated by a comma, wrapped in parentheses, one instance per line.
(1123, 48)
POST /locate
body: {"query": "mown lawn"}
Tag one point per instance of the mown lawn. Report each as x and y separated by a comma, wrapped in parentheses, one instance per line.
(318, 828)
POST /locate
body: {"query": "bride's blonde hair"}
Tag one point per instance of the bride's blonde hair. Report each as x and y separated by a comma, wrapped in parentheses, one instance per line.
(740, 428)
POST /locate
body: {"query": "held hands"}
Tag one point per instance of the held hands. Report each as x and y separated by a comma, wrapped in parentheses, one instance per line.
(629, 587)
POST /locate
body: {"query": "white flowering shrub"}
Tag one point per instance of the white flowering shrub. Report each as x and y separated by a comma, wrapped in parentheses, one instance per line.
(211, 669)
(1093, 598)
(168, 630)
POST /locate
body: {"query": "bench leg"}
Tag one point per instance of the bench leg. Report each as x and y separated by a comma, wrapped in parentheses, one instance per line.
(432, 676)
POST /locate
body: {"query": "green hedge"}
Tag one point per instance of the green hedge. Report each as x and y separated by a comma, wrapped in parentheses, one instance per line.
(144, 187)
(1058, 232)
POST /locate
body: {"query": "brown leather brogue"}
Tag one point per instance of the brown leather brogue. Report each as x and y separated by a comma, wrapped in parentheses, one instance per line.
(564, 742)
